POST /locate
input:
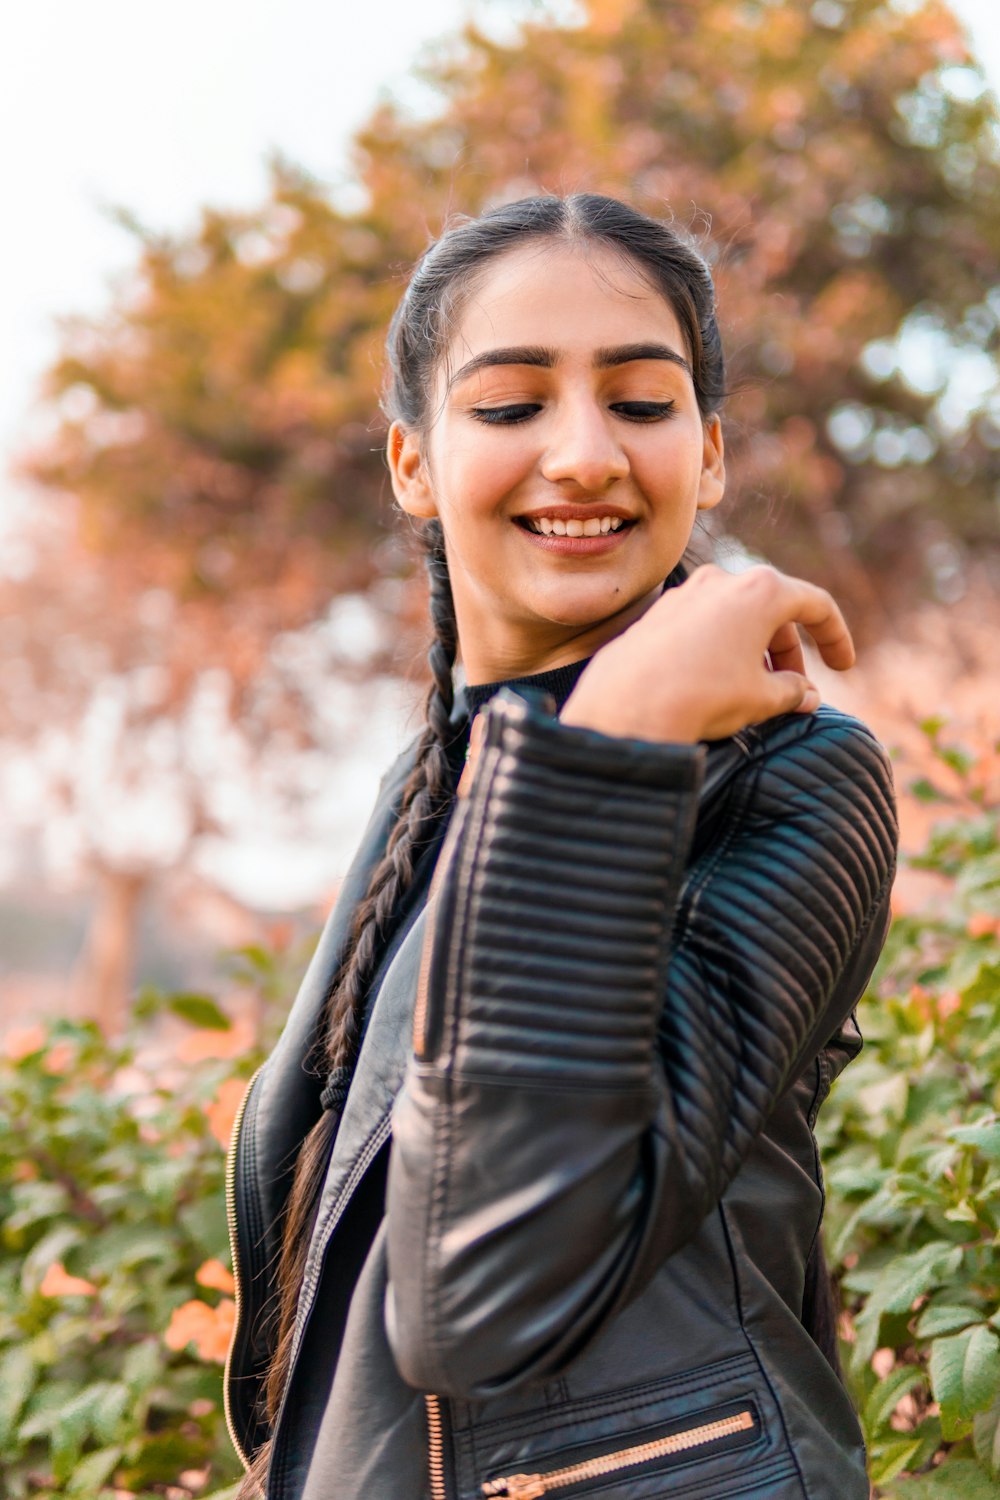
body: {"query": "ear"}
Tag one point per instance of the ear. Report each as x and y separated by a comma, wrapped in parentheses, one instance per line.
(712, 485)
(410, 480)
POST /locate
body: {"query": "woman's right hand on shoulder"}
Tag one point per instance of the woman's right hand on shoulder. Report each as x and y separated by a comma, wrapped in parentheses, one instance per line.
(693, 667)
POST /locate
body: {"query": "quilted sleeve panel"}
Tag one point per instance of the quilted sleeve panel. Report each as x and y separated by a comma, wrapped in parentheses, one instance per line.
(777, 934)
(603, 1030)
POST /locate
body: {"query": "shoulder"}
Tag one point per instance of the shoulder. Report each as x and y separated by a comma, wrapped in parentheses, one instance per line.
(829, 750)
(822, 781)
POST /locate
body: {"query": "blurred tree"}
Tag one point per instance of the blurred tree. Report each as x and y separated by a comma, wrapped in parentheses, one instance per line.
(217, 434)
(847, 154)
(220, 428)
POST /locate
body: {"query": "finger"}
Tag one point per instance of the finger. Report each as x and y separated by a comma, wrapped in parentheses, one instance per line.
(790, 692)
(819, 613)
(785, 650)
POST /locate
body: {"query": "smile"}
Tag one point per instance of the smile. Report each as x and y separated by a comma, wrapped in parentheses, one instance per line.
(593, 526)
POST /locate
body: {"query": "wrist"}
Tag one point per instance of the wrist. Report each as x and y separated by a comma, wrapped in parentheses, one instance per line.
(673, 725)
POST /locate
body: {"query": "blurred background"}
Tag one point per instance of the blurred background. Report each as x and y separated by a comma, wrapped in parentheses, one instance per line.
(211, 628)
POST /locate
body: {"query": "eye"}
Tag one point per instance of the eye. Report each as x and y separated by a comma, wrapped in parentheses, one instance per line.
(644, 411)
(505, 414)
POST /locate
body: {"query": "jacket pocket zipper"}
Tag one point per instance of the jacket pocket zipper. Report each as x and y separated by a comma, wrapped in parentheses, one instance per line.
(234, 1250)
(533, 1486)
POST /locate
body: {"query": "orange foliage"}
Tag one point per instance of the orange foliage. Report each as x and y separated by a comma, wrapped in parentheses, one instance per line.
(223, 1108)
(210, 1329)
(57, 1282)
(22, 1041)
(199, 1046)
(59, 1059)
(213, 1274)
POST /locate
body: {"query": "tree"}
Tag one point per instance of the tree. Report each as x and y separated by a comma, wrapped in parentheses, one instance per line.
(217, 439)
(222, 424)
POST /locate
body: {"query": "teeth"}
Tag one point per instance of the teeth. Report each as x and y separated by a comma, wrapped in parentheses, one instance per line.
(593, 526)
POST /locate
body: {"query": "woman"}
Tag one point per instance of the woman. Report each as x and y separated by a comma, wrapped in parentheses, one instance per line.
(589, 1264)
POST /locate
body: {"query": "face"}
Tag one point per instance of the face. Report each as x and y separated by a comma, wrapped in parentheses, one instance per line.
(564, 405)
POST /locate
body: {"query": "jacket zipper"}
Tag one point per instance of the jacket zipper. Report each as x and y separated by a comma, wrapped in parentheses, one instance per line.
(435, 1448)
(533, 1486)
(423, 976)
(237, 1273)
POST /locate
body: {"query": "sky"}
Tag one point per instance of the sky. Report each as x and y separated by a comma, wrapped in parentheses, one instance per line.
(162, 109)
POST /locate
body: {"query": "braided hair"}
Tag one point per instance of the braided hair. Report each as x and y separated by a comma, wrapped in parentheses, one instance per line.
(418, 337)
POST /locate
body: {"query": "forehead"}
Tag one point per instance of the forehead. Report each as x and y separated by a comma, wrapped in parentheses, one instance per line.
(568, 299)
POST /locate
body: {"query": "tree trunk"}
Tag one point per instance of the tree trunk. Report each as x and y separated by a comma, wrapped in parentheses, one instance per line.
(102, 981)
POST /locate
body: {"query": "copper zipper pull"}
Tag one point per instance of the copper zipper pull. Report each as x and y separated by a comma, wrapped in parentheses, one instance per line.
(525, 1487)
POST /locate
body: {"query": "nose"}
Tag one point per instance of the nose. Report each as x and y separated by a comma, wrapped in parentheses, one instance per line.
(583, 448)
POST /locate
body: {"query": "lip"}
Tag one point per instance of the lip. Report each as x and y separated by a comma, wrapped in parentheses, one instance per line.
(577, 546)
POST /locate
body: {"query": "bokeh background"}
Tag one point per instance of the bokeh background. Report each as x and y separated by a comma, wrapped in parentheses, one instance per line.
(211, 622)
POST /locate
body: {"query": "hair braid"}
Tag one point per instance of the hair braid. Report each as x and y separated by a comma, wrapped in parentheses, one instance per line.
(426, 794)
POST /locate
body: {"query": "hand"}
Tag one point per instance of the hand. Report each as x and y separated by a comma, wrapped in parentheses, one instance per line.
(693, 667)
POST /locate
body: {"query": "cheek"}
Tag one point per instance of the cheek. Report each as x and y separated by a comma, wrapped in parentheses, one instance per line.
(671, 465)
(480, 471)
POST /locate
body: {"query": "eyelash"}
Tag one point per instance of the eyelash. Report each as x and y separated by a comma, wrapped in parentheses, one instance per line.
(631, 411)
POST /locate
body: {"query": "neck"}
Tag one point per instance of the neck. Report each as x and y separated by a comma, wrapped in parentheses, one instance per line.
(509, 652)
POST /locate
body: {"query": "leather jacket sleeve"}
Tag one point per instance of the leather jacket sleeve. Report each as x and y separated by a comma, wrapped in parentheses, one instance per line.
(603, 1025)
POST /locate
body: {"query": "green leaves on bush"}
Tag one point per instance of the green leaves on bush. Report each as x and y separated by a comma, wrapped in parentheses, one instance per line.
(112, 1230)
(911, 1148)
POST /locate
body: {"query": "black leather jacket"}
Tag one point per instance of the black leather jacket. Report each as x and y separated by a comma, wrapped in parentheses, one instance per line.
(599, 1053)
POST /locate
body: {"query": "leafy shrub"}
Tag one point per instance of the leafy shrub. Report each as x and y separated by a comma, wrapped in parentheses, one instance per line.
(911, 1146)
(115, 1291)
(115, 1295)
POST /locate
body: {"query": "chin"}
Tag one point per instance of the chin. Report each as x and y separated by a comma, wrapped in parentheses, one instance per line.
(580, 608)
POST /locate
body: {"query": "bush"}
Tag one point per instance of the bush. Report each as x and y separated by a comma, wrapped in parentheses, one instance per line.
(115, 1287)
(115, 1292)
(911, 1147)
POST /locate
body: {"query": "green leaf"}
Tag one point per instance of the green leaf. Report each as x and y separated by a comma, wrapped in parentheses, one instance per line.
(941, 1318)
(905, 1278)
(984, 1135)
(17, 1377)
(890, 1459)
(924, 790)
(932, 725)
(199, 1010)
(965, 1374)
(92, 1471)
(955, 1479)
(887, 1394)
(986, 1438)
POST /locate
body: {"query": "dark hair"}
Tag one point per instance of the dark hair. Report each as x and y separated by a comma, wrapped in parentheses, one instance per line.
(418, 337)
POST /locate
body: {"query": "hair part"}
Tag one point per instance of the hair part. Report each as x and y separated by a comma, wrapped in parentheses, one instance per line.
(451, 268)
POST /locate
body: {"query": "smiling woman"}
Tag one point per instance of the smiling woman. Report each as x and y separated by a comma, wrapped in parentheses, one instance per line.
(527, 1198)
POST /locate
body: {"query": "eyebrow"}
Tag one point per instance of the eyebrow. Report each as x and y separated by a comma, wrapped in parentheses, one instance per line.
(539, 357)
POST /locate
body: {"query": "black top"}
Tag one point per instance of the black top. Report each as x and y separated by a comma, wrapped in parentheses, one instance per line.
(559, 681)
